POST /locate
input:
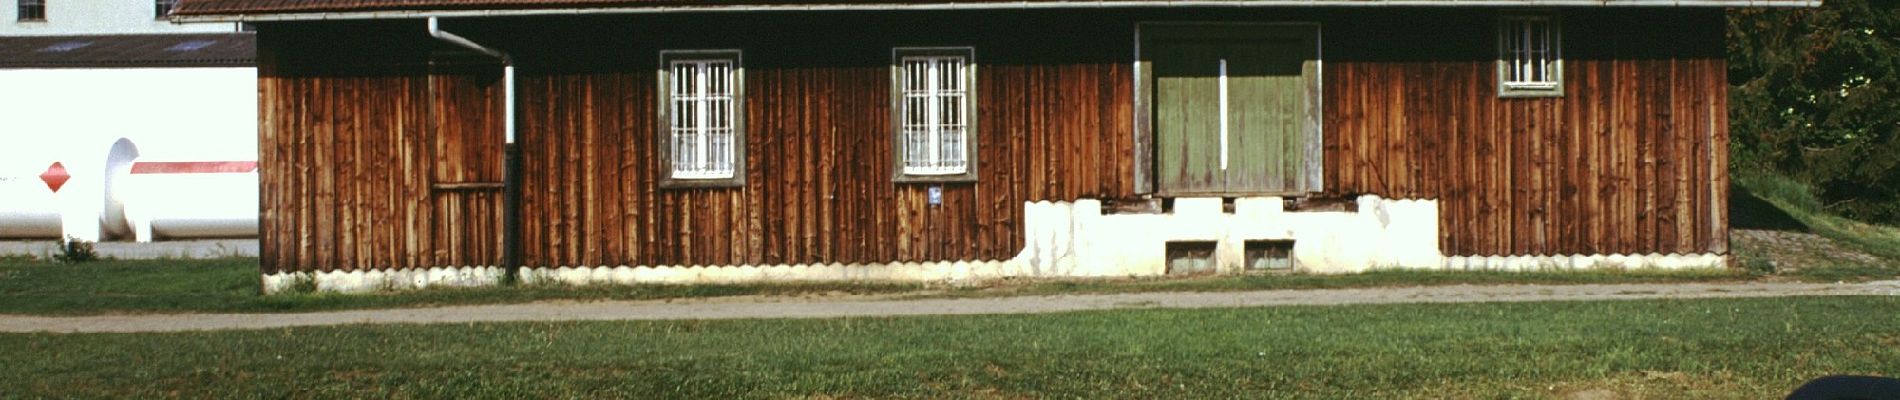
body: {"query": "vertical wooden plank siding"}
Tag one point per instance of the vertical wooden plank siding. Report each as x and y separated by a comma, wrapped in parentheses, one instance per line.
(1631, 159)
(384, 159)
(818, 188)
(384, 163)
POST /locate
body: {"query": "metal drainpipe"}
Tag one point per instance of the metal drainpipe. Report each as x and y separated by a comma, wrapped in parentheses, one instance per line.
(511, 155)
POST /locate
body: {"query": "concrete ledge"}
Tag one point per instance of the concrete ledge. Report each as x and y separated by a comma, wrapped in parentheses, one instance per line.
(1076, 239)
(421, 278)
(183, 249)
(1584, 262)
(1071, 240)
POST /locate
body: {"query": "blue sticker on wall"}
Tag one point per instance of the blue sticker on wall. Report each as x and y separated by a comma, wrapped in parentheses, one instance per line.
(936, 195)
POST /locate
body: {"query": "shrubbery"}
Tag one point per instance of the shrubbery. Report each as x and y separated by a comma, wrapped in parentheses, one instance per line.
(1814, 96)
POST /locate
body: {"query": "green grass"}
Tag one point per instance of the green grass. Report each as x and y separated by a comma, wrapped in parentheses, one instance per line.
(1791, 205)
(1735, 348)
(231, 285)
(1375, 278)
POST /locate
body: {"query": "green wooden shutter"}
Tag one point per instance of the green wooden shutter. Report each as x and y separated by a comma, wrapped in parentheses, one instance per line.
(1267, 75)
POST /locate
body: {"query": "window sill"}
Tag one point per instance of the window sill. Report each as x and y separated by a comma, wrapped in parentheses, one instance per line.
(953, 178)
(701, 183)
(1529, 91)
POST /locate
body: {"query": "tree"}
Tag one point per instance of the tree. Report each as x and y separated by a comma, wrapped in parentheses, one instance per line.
(1813, 97)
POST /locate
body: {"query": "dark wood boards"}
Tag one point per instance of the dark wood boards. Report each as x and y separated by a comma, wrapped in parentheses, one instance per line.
(374, 156)
(818, 188)
(1632, 159)
(390, 169)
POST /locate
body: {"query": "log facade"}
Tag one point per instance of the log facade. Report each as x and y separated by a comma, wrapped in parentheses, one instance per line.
(380, 148)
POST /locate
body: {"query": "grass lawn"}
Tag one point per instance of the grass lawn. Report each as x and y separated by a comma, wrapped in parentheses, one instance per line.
(1762, 202)
(231, 285)
(1773, 202)
(1735, 348)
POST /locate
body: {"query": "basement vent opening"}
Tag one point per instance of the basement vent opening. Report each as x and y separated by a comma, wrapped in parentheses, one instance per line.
(1268, 255)
(1190, 258)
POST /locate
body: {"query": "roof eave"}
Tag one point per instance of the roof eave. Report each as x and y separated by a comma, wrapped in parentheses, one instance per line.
(418, 14)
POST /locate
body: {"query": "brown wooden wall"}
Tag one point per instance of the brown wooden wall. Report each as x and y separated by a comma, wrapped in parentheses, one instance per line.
(376, 165)
(818, 179)
(371, 157)
(1632, 159)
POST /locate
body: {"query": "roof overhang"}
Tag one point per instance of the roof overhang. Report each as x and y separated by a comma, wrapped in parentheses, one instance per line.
(174, 50)
(981, 5)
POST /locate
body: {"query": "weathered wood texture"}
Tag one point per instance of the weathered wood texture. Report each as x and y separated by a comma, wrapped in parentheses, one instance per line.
(1053, 125)
(371, 158)
(818, 186)
(377, 166)
(1632, 158)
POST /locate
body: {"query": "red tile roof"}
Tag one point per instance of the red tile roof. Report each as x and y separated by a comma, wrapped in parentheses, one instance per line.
(214, 8)
(220, 7)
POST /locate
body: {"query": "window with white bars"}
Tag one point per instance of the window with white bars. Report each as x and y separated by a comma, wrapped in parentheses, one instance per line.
(32, 10)
(1530, 62)
(703, 114)
(934, 112)
(162, 8)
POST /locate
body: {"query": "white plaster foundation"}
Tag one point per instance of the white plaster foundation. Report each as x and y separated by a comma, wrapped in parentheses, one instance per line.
(1075, 240)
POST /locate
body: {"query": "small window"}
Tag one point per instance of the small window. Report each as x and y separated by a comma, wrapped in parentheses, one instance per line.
(162, 8)
(1191, 258)
(934, 114)
(1530, 59)
(701, 93)
(32, 10)
(1267, 255)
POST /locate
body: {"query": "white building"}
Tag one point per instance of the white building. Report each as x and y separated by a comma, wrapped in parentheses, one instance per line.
(80, 76)
(95, 17)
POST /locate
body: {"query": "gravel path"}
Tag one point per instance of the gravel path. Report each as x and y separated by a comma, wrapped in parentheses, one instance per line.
(785, 307)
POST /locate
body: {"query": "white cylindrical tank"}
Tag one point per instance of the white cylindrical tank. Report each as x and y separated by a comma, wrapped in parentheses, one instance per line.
(188, 199)
(55, 192)
(29, 208)
(119, 159)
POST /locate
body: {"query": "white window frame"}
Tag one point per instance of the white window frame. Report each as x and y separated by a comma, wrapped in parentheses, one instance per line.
(1530, 63)
(944, 137)
(705, 114)
(163, 8)
(20, 7)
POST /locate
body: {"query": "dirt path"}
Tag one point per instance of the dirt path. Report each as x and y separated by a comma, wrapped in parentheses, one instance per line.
(780, 307)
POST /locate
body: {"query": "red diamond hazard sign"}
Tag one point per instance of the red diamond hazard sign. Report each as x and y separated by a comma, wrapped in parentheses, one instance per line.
(55, 177)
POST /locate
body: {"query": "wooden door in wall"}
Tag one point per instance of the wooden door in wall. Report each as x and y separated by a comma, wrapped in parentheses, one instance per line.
(1232, 105)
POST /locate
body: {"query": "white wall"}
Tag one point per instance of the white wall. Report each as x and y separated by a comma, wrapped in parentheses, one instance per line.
(74, 115)
(97, 17)
(170, 113)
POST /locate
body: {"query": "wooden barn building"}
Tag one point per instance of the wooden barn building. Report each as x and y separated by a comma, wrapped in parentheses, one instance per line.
(436, 142)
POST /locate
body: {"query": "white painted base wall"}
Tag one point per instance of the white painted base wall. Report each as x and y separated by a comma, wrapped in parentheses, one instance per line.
(1075, 240)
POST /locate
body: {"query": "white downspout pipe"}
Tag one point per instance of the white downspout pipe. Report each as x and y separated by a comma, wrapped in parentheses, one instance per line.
(507, 73)
(511, 155)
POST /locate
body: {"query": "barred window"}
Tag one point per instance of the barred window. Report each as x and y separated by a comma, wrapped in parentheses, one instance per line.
(1530, 62)
(934, 112)
(702, 110)
(32, 10)
(162, 8)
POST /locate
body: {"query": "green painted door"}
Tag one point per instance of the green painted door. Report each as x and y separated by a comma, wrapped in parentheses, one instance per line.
(1231, 108)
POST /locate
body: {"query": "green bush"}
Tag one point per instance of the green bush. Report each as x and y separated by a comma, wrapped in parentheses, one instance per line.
(1812, 97)
(76, 251)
